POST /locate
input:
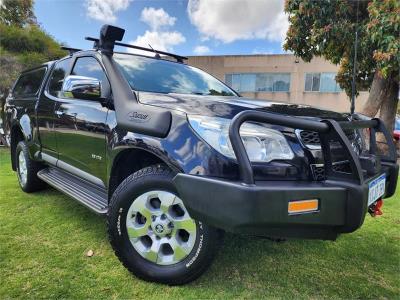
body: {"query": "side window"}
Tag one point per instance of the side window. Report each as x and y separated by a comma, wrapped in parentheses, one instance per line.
(29, 83)
(58, 75)
(90, 67)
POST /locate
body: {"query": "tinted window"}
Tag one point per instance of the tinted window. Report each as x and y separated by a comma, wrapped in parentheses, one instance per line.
(316, 81)
(321, 82)
(281, 82)
(265, 82)
(328, 83)
(312, 82)
(89, 67)
(161, 76)
(259, 82)
(233, 80)
(58, 75)
(29, 83)
(248, 82)
(308, 82)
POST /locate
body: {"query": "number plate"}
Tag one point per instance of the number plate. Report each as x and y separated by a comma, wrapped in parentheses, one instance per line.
(376, 189)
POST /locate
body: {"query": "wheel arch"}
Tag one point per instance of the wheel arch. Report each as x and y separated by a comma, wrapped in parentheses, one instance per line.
(17, 135)
(130, 160)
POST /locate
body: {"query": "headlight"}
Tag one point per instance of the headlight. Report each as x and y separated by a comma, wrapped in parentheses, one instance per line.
(262, 144)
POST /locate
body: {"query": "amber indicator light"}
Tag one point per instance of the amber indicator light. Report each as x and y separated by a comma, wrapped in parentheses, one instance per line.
(303, 206)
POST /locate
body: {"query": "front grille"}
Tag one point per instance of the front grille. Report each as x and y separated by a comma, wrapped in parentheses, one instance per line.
(318, 170)
(311, 138)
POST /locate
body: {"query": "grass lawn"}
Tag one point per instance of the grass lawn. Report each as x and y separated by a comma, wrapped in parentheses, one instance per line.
(44, 238)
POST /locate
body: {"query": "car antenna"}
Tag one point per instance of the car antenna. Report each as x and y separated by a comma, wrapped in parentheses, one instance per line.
(353, 83)
(157, 54)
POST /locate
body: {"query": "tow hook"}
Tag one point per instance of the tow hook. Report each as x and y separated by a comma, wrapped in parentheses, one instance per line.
(375, 209)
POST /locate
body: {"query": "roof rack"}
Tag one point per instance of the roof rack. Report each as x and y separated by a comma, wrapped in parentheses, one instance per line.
(178, 58)
(109, 37)
(70, 50)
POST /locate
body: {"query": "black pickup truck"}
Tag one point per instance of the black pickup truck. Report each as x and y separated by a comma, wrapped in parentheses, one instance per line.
(174, 157)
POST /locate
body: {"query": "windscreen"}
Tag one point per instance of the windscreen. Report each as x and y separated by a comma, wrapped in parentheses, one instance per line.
(161, 76)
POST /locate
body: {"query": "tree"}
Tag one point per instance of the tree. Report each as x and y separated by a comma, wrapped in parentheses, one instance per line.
(23, 44)
(14, 67)
(16, 12)
(22, 48)
(327, 29)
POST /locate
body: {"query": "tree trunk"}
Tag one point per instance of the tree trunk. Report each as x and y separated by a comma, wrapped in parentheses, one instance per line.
(384, 96)
(388, 111)
(389, 104)
(376, 95)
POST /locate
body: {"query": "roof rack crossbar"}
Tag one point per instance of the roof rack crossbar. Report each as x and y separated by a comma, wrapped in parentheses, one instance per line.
(179, 58)
(71, 50)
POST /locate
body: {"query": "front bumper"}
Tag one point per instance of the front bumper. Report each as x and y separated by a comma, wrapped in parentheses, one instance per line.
(262, 209)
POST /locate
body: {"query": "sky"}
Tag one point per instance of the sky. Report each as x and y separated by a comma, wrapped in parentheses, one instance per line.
(185, 27)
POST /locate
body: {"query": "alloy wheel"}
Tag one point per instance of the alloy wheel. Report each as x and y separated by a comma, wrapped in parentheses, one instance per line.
(160, 228)
(22, 169)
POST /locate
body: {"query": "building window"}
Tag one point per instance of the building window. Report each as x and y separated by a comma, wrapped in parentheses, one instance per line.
(321, 82)
(259, 82)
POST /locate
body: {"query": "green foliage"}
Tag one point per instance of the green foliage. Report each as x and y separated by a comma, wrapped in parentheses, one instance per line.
(22, 48)
(30, 40)
(11, 68)
(327, 28)
(23, 44)
(383, 29)
(16, 12)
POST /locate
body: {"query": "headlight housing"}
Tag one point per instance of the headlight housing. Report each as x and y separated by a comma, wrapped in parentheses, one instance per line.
(262, 144)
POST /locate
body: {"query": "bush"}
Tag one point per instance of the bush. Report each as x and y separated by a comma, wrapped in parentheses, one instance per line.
(22, 48)
(29, 39)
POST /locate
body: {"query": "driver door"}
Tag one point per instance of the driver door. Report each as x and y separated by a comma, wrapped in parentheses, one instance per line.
(81, 127)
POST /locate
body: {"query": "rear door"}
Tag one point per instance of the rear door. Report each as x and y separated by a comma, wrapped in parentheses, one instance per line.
(81, 127)
(46, 110)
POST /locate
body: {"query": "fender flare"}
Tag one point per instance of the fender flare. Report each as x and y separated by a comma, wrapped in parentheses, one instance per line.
(21, 127)
(171, 164)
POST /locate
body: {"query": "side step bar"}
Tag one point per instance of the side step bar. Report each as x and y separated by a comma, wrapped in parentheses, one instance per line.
(86, 193)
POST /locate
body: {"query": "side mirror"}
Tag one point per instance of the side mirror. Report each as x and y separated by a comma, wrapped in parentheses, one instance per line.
(81, 87)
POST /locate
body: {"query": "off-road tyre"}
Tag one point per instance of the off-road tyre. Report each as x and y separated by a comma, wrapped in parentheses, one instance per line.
(208, 239)
(32, 182)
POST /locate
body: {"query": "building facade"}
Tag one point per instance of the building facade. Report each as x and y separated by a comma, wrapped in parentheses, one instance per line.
(282, 78)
